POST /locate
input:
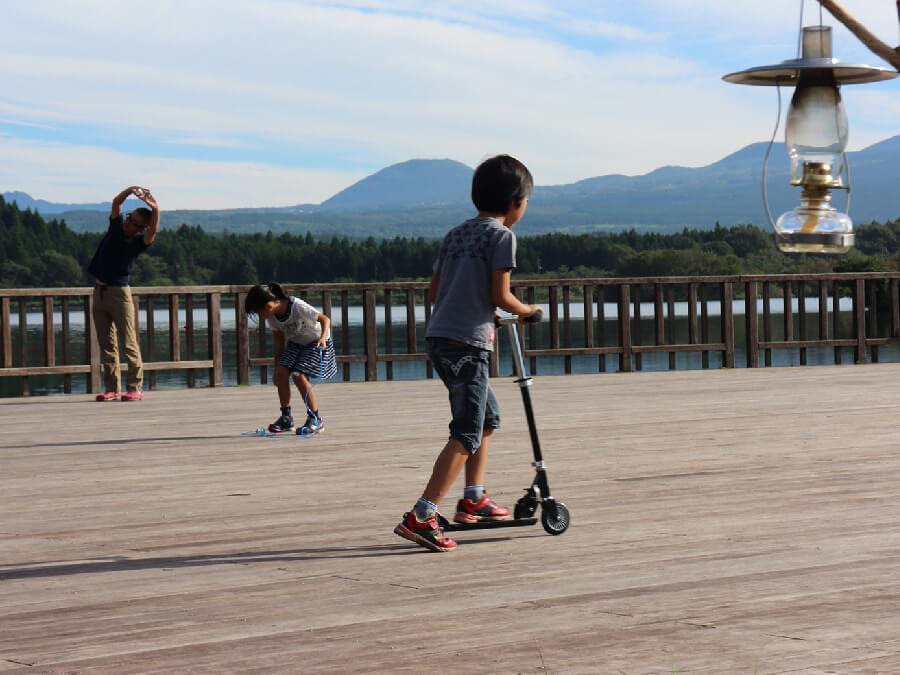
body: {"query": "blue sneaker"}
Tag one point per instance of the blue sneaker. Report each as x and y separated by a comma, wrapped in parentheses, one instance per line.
(283, 424)
(313, 426)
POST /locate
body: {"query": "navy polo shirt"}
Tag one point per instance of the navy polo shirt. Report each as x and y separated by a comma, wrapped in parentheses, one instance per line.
(114, 258)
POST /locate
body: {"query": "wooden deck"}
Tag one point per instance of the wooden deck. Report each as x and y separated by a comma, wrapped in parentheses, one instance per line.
(731, 521)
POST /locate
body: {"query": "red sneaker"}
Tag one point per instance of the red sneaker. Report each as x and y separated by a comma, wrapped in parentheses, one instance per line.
(133, 396)
(427, 534)
(468, 511)
(108, 396)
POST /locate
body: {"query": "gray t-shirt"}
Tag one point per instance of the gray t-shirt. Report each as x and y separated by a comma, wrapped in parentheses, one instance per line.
(464, 310)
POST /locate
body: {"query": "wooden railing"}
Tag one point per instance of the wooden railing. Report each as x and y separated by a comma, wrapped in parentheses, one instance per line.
(612, 323)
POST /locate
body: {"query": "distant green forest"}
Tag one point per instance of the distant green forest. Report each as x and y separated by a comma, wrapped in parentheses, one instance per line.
(35, 252)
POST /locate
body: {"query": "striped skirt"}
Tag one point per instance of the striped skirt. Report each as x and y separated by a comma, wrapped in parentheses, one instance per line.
(308, 360)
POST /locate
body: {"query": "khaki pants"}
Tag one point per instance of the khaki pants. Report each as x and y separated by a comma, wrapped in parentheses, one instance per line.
(113, 315)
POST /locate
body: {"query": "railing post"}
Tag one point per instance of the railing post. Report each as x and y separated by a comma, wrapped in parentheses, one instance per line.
(49, 341)
(494, 357)
(174, 330)
(752, 331)
(66, 344)
(411, 337)
(530, 330)
(767, 320)
(859, 317)
(567, 328)
(728, 323)
(151, 342)
(873, 318)
(371, 336)
(262, 333)
(659, 315)
(704, 324)
(554, 317)
(24, 389)
(429, 368)
(692, 313)
(588, 305)
(636, 323)
(788, 311)
(836, 319)
(601, 326)
(412, 334)
(801, 318)
(823, 310)
(6, 338)
(92, 346)
(189, 334)
(243, 339)
(625, 328)
(388, 330)
(326, 310)
(345, 331)
(214, 322)
(895, 308)
(670, 312)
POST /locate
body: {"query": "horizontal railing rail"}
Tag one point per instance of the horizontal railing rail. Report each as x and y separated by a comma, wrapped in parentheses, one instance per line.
(378, 325)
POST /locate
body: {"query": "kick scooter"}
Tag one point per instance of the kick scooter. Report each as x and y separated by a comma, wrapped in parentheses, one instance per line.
(554, 514)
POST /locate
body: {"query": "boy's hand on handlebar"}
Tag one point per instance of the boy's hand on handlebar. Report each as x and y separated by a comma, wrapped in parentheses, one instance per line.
(534, 315)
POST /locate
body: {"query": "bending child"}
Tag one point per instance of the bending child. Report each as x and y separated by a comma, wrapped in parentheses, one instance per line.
(471, 279)
(303, 350)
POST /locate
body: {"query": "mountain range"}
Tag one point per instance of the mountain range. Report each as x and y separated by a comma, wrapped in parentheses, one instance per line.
(423, 197)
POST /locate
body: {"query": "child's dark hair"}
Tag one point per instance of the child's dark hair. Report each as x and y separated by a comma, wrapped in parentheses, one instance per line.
(145, 214)
(259, 295)
(500, 181)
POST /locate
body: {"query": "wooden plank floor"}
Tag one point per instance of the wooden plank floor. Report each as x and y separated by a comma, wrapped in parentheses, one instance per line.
(741, 521)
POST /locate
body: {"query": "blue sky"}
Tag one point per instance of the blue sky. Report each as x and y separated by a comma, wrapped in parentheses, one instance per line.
(281, 102)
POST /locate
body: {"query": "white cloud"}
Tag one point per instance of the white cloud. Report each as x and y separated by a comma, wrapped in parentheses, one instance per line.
(319, 94)
(71, 173)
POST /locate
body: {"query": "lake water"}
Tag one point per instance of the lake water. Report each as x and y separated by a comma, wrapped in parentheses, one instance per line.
(403, 370)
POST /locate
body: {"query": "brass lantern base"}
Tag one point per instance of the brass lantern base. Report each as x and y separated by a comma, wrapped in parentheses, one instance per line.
(814, 242)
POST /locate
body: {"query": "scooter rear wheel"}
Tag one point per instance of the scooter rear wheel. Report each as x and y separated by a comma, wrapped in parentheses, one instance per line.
(555, 524)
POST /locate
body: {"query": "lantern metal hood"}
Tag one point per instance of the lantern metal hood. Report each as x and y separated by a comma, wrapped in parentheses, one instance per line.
(816, 140)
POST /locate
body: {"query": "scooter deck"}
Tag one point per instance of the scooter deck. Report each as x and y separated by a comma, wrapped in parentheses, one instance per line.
(451, 526)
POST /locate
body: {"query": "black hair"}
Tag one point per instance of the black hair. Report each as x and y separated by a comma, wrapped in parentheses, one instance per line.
(500, 181)
(259, 295)
(146, 213)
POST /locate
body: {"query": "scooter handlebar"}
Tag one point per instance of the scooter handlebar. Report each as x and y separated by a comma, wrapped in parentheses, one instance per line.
(536, 317)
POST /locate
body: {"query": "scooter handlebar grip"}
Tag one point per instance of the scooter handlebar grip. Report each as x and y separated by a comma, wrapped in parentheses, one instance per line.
(534, 318)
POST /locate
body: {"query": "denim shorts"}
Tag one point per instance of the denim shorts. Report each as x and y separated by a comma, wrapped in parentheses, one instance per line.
(465, 370)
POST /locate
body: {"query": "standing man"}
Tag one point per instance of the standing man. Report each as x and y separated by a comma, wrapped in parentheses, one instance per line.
(113, 308)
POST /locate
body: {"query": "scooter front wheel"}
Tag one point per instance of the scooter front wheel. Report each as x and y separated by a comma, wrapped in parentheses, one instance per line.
(555, 523)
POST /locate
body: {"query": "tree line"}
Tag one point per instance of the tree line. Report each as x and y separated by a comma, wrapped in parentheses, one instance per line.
(36, 253)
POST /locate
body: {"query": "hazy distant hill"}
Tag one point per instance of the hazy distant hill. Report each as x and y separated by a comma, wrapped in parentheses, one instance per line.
(426, 197)
(412, 184)
(26, 201)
